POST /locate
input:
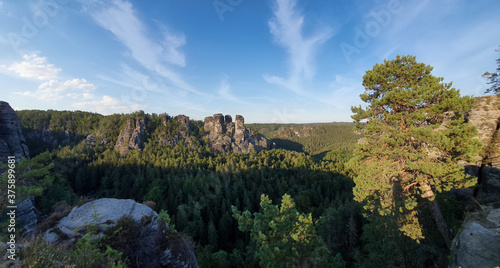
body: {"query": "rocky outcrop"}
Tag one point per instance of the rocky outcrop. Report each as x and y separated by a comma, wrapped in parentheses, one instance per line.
(104, 213)
(291, 132)
(96, 139)
(175, 134)
(485, 116)
(225, 135)
(150, 245)
(12, 142)
(27, 214)
(50, 138)
(478, 244)
(184, 120)
(131, 137)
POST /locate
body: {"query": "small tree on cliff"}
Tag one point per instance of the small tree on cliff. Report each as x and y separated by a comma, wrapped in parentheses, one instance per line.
(494, 78)
(414, 136)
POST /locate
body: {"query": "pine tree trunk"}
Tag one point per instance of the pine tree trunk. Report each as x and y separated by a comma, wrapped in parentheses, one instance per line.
(440, 222)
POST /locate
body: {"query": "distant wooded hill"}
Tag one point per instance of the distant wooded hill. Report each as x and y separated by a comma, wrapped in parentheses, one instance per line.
(315, 139)
(46, 130)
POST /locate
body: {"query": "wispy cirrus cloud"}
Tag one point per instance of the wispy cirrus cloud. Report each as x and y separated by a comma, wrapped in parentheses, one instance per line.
(120, 18)
(287, 27)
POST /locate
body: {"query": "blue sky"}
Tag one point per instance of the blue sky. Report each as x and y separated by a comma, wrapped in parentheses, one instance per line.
(282, 61)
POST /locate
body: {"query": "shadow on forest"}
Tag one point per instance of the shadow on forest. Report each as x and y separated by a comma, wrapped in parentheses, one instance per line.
(39, 141)
(201, 196)
(321, 155)
(288, 145)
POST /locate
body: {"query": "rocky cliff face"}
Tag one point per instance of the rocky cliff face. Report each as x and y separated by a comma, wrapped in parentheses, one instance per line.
(131, 138)
(478, 244)
(485, 116)
(12, 142)
(225, 135)
(291, 132)
(182, 133)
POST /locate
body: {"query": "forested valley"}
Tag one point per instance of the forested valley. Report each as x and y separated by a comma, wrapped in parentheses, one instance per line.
(308, 195)
(198, 186)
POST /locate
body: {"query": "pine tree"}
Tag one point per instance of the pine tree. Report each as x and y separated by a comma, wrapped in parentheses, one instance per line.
(414, 135)
(494, 78)
(212, 235)
(285, 237)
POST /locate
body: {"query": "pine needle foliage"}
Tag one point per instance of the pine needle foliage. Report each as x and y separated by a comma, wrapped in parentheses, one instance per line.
(414, 136)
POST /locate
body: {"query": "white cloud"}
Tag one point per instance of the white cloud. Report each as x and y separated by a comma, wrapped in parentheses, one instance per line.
(119, 17)
(34, 66)
(107, 105)
(287, 29)
(54, 90)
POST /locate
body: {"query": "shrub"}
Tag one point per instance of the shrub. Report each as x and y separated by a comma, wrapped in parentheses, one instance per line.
(150, 204)
(38, 253)
(59, 211)
(85, 253)
(140, 243)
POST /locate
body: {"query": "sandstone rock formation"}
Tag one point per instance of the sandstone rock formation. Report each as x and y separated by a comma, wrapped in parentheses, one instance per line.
(225, 135)
(103, 213)
(478, 244)
(485, 116)
(181, 134)
(152, 246)
(131, 138)
(51, 139)
(96, 139)
(184, 120)
(12, 142)
(290, 132)
(27, 214)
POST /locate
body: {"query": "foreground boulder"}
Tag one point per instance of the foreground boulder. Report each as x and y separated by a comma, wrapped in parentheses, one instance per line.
(146, 241)
(478, 244)
(103, 213)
